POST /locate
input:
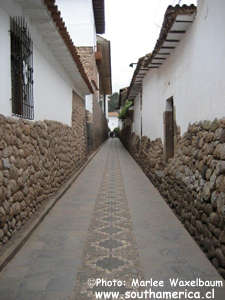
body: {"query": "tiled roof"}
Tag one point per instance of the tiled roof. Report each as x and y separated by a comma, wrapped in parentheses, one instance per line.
(176, 21)
(113, 114)
(138, 75)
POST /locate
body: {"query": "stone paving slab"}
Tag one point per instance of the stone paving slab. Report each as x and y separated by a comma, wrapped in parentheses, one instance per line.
(111, 250)
(112, 224)
(166, 249)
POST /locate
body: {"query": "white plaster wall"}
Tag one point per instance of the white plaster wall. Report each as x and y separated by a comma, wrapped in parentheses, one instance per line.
(52, 93)
(5, 72)
(107, 106)
(52, 86)
(193, 74)
(79, 18)
(89, 103)
(113, 123)
(137, 116)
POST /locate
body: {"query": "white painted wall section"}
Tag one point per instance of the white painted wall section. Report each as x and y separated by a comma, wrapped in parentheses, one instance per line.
(52, 93)
(52, 85)
(193, 74)
(137, 116)
(5, 72)
(89, 103)
(107, 106)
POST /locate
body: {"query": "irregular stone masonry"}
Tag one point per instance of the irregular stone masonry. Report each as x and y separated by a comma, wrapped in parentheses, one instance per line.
(192, 182)
(36, 158)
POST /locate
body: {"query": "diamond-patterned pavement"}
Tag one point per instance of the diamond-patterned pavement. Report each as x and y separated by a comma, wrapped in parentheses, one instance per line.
(122, 259)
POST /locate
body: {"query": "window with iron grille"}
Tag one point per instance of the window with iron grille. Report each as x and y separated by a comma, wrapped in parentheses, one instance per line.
(21, 69)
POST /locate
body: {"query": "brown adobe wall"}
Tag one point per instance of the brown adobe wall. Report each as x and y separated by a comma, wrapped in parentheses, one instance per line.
(100, 125)
(36, 158)
(193, 182)
(97, 126)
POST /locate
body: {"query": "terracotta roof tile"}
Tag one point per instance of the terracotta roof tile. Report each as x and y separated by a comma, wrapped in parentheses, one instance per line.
(113, 114)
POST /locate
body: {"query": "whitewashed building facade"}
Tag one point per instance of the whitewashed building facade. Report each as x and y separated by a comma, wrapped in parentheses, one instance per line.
(184, 73)
(49, 72)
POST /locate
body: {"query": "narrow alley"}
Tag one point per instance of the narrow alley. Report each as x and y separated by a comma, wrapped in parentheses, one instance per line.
(112, 224)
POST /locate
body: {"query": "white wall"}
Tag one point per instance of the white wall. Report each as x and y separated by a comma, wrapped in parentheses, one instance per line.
(89, 103)
(193, 74)
(107, 106)
(52, 86)
(137, 116)
(5, 72)
(79, 18)
(52, 93)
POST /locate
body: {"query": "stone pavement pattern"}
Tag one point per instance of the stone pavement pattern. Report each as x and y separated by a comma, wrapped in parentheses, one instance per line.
(111, 250)
(113, 224)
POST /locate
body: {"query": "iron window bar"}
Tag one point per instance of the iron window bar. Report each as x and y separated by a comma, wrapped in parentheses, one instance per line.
(21, 69)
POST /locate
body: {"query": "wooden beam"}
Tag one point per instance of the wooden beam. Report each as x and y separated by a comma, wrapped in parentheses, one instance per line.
(163, 53)
(172, 41)
(180, 21)
(159, 58)
(177, 31)
(168, 47)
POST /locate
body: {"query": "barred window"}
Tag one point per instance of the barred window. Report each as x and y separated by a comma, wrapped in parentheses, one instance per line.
(21, 69)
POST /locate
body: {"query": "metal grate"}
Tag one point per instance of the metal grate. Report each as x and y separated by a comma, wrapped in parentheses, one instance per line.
(21, 69)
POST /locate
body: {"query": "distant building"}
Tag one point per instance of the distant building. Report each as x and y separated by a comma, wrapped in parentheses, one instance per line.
(113, 120)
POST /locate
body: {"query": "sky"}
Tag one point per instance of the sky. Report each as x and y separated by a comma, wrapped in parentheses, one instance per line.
(133, 27)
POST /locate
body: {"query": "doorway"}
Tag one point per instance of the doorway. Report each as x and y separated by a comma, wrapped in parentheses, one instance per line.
(169, 129)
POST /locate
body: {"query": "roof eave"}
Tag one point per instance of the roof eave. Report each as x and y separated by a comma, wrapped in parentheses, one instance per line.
(153, 61)
(99, 15)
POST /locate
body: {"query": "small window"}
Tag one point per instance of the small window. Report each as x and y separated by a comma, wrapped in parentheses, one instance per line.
(21, 69)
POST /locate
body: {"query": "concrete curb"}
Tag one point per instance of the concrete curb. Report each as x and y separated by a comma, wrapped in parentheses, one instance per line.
(18, 243)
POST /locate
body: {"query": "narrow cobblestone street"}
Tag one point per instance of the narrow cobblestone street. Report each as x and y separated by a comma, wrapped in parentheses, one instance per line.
(112, 224)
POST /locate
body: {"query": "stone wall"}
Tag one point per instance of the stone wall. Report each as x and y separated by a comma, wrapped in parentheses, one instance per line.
(36, 158)
(192, 182)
